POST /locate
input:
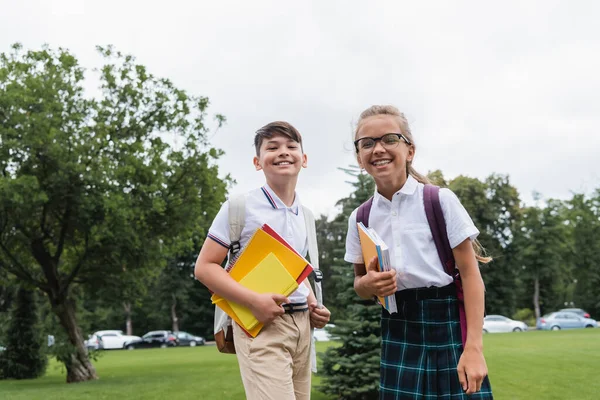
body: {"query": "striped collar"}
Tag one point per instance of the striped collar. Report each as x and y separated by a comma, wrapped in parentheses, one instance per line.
(276, 202)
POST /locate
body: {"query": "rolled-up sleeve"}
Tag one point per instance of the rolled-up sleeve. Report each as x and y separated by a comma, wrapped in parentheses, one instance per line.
(219, 229)
(353, 251)
(459, 224)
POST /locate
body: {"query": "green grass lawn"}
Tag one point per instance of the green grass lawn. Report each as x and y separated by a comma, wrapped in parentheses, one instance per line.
(531, 365)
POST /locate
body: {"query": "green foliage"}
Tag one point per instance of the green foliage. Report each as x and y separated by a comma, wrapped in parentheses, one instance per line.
(544, 245)
(25, 355)
(494, 206)
(584, 224)
(99, 192)
(525, 315)
(351, 370)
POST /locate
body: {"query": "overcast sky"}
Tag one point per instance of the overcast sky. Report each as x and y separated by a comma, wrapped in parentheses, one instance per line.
(511, 87)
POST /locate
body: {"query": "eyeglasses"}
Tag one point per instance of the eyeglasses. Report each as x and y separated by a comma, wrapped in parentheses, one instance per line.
(389, 140)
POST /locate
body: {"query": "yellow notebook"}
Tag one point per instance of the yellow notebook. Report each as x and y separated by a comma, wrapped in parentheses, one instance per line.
(259, 246)
(269, 276)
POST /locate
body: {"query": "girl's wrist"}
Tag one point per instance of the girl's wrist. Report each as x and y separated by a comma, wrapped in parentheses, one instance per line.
(361, 289)
(474, 345)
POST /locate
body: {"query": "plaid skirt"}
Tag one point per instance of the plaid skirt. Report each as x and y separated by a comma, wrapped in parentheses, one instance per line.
(420, 349)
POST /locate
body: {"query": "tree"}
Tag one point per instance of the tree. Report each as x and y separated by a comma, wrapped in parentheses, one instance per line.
(93, 190)
(584, 223)
(24, 357)
(494, 206)
(544, 248)
(351, 371)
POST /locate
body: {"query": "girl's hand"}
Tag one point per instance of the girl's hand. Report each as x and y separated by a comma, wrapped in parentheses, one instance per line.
(319, 317)
(266, 307)
(379, 283)
(471, 369)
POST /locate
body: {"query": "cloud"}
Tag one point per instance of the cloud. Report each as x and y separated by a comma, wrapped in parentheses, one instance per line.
(509, 88)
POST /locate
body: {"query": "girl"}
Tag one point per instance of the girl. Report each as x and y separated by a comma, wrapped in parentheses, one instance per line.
(422, 353)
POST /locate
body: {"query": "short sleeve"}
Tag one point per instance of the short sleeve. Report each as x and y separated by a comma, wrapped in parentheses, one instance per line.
(219, 229)
(459, 224)
(353, 251)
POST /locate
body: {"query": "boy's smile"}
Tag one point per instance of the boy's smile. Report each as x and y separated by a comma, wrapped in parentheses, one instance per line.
(280, 157)
(284, 163)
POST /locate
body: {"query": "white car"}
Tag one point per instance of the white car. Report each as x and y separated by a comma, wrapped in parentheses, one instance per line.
(94, 342)
(323, 335)
(499, 323)
(113, 339)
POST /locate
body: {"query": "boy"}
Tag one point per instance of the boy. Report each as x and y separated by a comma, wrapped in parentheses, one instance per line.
(276, 363)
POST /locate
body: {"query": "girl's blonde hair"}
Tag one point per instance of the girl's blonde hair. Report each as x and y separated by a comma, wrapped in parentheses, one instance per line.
(405, 130)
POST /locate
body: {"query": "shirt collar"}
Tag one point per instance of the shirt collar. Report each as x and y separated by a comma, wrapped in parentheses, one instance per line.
(409, 188)
(276, 202)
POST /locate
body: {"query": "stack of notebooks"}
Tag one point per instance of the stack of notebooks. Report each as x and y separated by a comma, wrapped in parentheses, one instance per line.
(266, 264)
(372, 245)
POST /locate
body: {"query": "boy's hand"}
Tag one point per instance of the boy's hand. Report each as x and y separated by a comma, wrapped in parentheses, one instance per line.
(266, 307)
(319, 317)
(472, 369)
(379, 283)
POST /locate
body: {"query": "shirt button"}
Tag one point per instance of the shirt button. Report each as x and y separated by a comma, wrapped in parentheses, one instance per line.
(394, 213)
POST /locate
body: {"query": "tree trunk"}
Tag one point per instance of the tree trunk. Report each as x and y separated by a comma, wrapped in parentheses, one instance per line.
(174, 318)
(128, 323)
(78, 365)
(536, 297)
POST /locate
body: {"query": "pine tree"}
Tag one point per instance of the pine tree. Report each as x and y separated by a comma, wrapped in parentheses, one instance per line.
(24, 357)
(351, 371)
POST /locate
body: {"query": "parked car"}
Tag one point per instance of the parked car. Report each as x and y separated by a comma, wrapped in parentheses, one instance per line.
(114, 339)
(578, 311)
(500, 323)
(50, 341)
(187, 339)
(323, 334)
(564, 320)
(154, 339)
(94, 342)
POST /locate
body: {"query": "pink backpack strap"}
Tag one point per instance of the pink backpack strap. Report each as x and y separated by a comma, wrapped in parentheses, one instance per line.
(437, 225)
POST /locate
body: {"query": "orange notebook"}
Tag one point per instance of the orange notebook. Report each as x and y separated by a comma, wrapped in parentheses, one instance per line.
(373, 246)
(262, 243)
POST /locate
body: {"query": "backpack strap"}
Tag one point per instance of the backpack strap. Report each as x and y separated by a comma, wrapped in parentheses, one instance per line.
(437, 225)
(363, 212)
(313, 252)
(237, 215)
(222, 325)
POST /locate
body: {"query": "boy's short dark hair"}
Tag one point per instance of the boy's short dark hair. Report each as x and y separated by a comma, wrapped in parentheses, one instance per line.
(278, 127)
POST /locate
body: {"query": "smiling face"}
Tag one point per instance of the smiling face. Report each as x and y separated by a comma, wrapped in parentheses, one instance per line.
(280, 158)
(386, 164)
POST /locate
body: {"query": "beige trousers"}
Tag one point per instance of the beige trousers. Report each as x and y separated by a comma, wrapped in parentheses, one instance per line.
(275, 365)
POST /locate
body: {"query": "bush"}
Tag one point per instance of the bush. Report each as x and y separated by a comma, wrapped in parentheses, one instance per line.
(526, 315)
(25, 355)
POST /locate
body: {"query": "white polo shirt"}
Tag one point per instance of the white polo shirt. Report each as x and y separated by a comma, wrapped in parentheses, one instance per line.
(402, 224)
(264, 207)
